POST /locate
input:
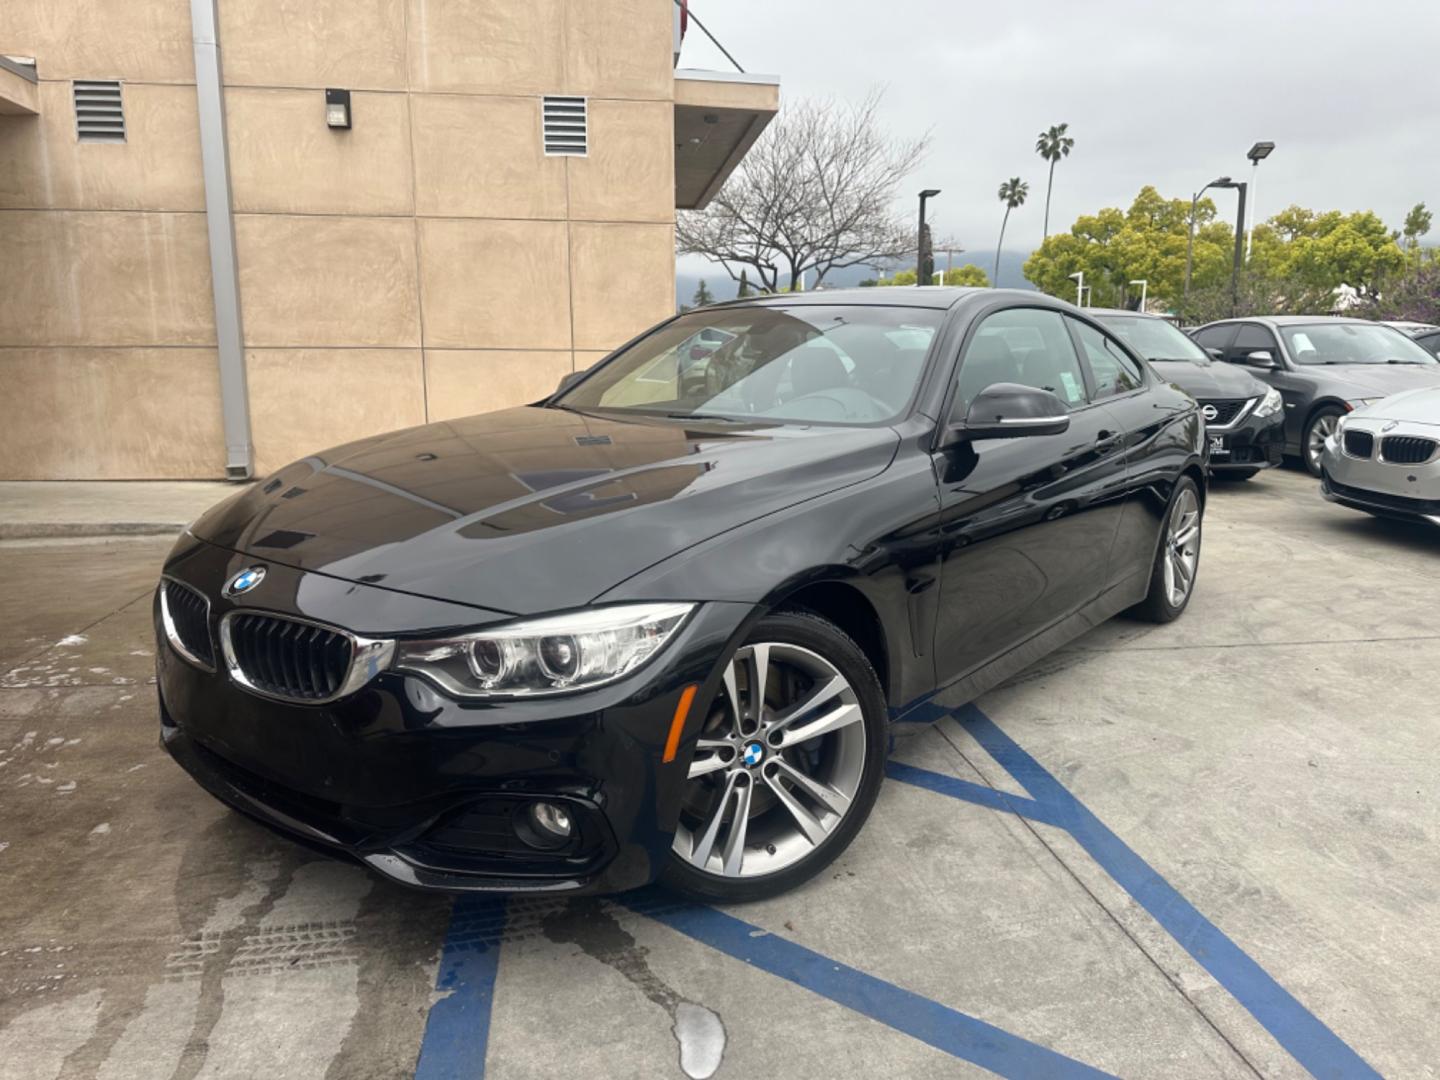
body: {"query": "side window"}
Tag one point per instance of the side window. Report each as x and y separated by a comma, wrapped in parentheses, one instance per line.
(1215, 337)
(1115, 372)
(1251, 337)
(1028, 346)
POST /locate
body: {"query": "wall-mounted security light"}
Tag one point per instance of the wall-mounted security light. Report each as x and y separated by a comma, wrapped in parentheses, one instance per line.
(337, 109)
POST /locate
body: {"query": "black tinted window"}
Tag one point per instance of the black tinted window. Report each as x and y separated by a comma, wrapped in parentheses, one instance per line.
(1028, 346)
(1215, 337)
(1114, 371)
(1252, 337)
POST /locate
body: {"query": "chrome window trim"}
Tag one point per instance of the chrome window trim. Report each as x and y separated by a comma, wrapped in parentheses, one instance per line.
(171, 634)
(368, 657)
(1244, 412)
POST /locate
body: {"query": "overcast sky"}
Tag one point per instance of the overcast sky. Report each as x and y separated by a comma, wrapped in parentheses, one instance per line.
(1166, 93)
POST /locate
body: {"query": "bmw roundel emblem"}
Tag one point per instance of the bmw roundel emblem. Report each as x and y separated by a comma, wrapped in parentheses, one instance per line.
(245, 580)
(753, 754)
(1209, 412)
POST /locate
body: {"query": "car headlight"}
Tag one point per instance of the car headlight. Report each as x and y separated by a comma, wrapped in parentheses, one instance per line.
(1270, 404)
(557, 654)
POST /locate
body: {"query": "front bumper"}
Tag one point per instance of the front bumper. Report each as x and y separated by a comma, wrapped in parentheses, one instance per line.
(423, 788)
(1379, 486)
(1251, 443)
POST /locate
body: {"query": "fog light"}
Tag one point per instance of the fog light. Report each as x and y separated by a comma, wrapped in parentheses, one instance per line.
(546, 826)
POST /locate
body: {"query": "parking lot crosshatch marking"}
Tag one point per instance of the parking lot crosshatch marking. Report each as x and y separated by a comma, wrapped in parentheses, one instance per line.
(1305, 1038)
(457, 1029)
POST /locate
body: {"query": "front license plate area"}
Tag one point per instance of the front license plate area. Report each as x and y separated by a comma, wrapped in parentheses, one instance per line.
(1218, 447)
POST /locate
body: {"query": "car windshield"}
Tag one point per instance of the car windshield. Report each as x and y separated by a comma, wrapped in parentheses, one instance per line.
(802, 364)
(1352, 343)
(1155, 339)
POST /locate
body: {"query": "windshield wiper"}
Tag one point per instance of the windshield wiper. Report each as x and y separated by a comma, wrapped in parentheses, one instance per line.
(705, 416)
(1397, 360)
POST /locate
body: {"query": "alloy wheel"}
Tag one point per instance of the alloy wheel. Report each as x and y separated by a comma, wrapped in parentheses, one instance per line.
(778, 764)
(1182, 547)
(1322, 428)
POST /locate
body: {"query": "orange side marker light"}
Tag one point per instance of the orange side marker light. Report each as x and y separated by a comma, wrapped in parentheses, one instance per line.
(682, 710)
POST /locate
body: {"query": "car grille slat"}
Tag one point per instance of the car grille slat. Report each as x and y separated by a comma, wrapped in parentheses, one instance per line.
(1406, 449)
(287, 658)
(1359, 444)
(190, 616)
(1226, 410)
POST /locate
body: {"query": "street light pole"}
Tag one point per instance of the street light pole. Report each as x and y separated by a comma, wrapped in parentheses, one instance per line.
(1144, 284)
(924, 260)
(1221, 181)
(1079, 278)
(1258, 153)
(1239, 251)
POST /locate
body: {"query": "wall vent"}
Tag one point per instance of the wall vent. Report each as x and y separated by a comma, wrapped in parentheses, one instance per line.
(565, 127)
(99, 114)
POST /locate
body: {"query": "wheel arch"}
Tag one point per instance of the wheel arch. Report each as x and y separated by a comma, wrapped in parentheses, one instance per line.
(847, 606)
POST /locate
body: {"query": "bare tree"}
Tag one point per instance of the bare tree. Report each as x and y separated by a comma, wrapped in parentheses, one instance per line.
(815, 193)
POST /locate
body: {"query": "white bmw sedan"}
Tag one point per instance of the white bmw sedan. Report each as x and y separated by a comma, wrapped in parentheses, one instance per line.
(1385, 458)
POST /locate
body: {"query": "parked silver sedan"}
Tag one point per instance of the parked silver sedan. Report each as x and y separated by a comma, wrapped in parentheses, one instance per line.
(1384, 458)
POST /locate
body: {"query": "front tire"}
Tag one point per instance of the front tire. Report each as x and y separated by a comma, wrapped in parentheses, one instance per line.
(789, 762)
(1319, 428)
(1172, 579)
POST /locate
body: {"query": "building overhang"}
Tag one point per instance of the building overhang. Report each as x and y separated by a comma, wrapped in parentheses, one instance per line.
(718, 117)
(19, 93)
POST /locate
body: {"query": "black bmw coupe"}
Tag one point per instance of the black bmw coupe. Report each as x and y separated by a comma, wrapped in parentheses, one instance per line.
(663, 624)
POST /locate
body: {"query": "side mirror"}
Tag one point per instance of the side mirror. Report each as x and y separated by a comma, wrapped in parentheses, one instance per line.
(1260, 358)
(1010, 411)
(567, 381)
(1216, 354)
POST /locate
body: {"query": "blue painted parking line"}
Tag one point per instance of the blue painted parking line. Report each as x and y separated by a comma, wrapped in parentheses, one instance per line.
(457, 1030)
(942, 1027)
(1318, 1049)
(971, 792)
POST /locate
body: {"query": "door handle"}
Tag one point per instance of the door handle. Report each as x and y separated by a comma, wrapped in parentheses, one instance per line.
(1106, 439)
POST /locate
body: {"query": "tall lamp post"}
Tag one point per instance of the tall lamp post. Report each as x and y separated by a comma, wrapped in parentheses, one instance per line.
(1258, 153)
(1239, 250)
(1218, 182)
(925, 260)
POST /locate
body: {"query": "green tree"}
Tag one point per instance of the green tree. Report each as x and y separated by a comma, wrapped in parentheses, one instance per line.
(703, 297)
(1012, 193)
(1052, 145)
(1417, 224)
(1113, 247)
(969, 274)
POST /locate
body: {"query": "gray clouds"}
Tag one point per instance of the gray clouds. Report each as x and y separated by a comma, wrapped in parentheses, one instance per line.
(1165, 93)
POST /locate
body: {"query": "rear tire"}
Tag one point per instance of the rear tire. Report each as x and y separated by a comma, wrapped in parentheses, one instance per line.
(805, 798)
(1177, 559)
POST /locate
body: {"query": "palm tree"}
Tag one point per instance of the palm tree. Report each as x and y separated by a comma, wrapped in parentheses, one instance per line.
(1012, 194)
(1052, 145)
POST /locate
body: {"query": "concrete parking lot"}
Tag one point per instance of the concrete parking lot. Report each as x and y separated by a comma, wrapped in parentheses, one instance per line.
(1201, 850)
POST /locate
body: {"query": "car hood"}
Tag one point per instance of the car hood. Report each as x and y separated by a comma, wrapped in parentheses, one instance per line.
(1212, 381)
(1413, 406)
(1374, 380)
(533, 509)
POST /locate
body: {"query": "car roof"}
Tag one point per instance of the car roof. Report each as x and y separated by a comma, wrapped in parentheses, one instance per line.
(1295, 320)
(939, 297)
(1123, 311)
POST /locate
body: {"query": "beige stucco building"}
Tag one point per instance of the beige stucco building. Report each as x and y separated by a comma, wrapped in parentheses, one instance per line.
(437, 258)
